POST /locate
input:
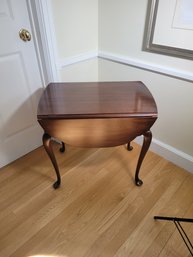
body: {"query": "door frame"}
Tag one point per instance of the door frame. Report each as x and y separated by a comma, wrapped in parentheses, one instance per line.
(40, 14)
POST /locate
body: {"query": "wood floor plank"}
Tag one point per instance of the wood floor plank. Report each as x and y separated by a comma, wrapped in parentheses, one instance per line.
(98, 210)
(148, 229)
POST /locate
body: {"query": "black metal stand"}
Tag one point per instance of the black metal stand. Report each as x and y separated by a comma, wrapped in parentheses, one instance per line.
(180, 229)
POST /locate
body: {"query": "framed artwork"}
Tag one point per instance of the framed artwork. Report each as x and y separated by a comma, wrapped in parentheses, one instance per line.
(169, 28)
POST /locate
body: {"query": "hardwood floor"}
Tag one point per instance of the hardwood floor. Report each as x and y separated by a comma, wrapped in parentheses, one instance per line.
(98, 210)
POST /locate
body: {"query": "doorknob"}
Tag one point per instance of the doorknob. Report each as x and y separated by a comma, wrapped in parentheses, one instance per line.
(25, 35)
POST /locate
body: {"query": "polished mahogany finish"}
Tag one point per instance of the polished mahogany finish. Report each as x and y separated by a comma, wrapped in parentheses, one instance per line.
(96, 114)
(96, 100)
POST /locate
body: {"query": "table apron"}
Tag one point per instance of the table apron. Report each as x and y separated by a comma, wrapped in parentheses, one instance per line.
(97, 132)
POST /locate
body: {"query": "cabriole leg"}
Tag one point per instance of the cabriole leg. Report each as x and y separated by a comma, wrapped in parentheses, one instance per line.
(147, 136)
(48, 147)
(129, 147)
(62, 148)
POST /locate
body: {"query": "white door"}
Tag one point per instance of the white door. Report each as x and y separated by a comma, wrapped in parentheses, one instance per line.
(20, 84)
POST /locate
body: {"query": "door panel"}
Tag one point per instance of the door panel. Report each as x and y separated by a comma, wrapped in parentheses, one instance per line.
(20, 84)
(18, 114)
(5, 9)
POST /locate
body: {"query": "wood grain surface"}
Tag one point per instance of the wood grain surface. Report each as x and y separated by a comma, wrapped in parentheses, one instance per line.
(96, 100)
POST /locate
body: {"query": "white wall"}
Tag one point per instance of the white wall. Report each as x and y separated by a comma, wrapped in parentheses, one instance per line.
(116, 29)
(82, 71)
(121, 32)
(174, 101)
(76, 29)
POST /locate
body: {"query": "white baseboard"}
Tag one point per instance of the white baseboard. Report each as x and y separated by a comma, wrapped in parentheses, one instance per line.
(76, 59)
(125, 60)
(140, 64)
(170, 153)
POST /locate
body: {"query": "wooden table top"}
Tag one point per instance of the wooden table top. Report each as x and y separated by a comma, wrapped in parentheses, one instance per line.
(96, 100)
